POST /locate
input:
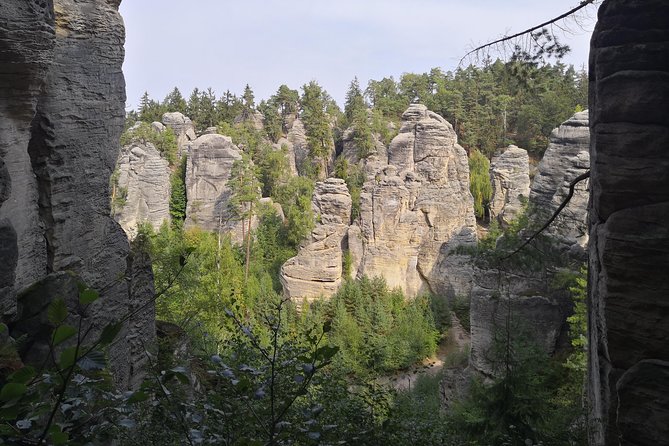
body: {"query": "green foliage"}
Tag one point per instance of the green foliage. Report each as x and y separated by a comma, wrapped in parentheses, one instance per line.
(355, 178)
(165, 141)
(355, 102)
(150, 110)
(272, 122)
(295, 199)
(274, 170)
(315, 102)
(525, 402)
(175, 102)
(479, 182)
(178, 193)
(460, 307)
(377, 330)
(244, 188)
(416, 416)
(119, 195)
(441, 313)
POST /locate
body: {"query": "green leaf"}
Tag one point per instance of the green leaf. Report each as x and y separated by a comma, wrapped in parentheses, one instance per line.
(57, 311)
(109, 333)
(326, 352)
(10, 413)
(137, 397)
(3, 328)
(11, 391)
(63, 333)
(88, 296)
(94, 360)
(327, 326)
(67, 358)
(58, 436)
(23, 375)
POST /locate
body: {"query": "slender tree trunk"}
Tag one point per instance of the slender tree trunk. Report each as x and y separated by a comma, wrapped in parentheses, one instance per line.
(248, 244)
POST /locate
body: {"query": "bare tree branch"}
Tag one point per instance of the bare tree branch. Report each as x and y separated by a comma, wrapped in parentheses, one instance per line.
(564, 203)
(582, 5)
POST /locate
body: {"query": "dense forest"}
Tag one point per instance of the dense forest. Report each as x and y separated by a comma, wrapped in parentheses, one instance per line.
(238, 364)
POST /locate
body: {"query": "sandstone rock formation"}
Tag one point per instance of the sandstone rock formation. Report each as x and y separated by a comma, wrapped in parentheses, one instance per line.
(566, 158)
(144, 180)
(317, 268)
(183, 129)
(510, 178)
(208, 168)
(629, 236)
(62, 113)
(418, 207)
(521, 296)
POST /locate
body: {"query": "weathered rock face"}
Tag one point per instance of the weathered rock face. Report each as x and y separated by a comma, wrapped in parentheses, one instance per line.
(566, 158)
(317, 268)
(298, 148)
(144, 180)
(27, 39)
(510, 178)
(208, 170)
(521, 295)
(415, 210)
(629, 236)
(183, 129)
(63, 113)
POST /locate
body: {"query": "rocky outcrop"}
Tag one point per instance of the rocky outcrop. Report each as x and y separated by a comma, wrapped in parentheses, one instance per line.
(317, 269)
(510, 179)
(418, 207)
(522, 296)
(208, 169)
(629, 237)
(183, 129)
(141, 192)
(566, 157)
(63, 108)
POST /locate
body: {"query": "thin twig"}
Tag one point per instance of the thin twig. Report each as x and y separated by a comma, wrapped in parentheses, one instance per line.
(582, 5)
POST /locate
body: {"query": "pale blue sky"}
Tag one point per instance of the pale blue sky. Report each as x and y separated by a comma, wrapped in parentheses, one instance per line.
(226, 44)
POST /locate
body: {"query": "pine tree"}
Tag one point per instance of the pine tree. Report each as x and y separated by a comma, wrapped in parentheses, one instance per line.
(354, 101)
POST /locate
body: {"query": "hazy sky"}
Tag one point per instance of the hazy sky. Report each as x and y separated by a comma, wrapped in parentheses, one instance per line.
(226, 44)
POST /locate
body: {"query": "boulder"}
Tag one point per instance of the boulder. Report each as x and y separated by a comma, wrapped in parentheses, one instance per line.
(144, 181)
(510, 179)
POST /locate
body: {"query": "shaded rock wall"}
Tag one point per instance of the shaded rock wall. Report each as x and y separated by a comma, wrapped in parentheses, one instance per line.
(566, 157)
(63, 113)
(629, 236)
(27, 39)
(521, 296)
